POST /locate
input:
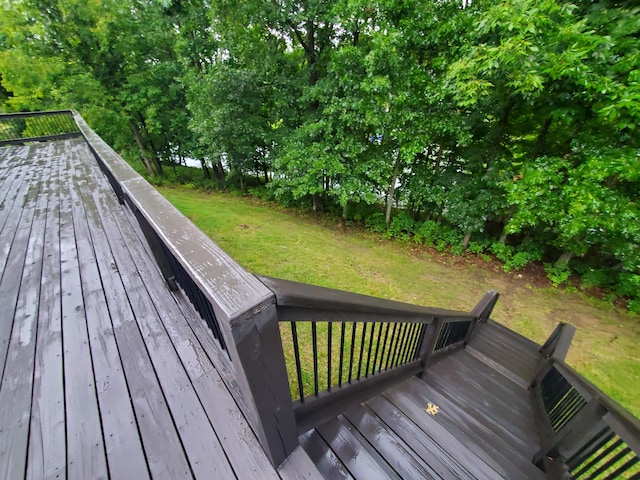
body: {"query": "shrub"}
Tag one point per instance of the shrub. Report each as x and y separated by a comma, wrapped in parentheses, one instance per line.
(376, 222)
(557, 274)
(401, 227)
(427, 233)
(516, 258)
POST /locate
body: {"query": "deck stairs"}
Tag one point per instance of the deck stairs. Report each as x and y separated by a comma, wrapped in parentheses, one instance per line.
(468, 417)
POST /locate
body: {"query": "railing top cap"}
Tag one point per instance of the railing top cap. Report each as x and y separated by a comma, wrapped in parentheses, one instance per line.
(302, 295)
(232, 291)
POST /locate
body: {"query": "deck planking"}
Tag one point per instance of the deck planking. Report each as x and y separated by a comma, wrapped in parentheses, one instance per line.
(106, 372)
(484, 428)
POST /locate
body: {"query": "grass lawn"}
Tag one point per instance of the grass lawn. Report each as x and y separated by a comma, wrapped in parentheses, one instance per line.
(284, 243)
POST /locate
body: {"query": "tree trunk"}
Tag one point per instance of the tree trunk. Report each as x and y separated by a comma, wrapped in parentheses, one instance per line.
(205, 169)
(345, 210)
(392, 190)
(218, 171)
(503, 236)
(564, 259)
(467, 239)
(143, 152)
(318, 206)
(155, 160)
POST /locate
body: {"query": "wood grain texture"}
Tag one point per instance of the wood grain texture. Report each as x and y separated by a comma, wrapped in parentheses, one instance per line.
(243, 306)
(47, 456)
(232, 290)
(85, 444)
(118, 381)
(125, 455)
(484, 428)
(17, 375)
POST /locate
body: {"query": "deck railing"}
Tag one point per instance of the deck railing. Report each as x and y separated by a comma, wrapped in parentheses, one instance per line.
(340, 347)
(20, 128)
(239, 310)
(584, 434)
(343, 347)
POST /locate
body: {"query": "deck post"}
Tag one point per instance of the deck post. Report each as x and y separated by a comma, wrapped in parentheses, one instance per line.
(557, 346)
(482, 311)
(255, 349)
(428, 341)
(485, 306)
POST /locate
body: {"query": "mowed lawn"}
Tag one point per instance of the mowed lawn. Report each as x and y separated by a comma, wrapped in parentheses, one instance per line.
(285, 243)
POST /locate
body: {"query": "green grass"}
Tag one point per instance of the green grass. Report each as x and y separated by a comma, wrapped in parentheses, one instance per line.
(283, 243)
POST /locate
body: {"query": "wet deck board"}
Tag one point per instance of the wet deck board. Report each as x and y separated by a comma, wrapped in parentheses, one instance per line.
(106, 372)
(484, 427)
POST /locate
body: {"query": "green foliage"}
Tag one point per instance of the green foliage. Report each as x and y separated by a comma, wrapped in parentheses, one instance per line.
(428, 233)
(401, 227)
(376, 222)
(557, 274)
(519, 114)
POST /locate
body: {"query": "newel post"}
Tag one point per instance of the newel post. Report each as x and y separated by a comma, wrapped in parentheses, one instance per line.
(431, 332)
(255, 349)
(482, 311)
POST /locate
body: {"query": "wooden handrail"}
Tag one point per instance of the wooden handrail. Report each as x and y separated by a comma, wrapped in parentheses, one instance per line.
(394, 340)
(243, 308)
(312, 297)
(592, 421)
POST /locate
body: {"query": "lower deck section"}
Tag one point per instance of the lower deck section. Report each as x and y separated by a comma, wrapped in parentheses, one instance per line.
(463, 420)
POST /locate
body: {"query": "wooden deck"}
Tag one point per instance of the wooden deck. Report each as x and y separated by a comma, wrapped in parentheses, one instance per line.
(483, 428)
(105, 372)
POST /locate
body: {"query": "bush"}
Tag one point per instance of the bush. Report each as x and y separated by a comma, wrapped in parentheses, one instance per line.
(427, 233)
(634, 305)
(557, 274)
(376, 222)
(401, 227)
(478, 248)
(516, 258)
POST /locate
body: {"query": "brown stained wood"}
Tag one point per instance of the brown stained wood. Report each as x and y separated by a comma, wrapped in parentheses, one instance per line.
(298, 466)
(481, 439)
(473, 461)
(85, 445)
(494, 407)
(445, 466)
(404, 461)
(513, 352)
(304, 296)
(206, 457)
(47, 443)
(17, 379)
(508, 373)
(351, 453)
(493, 398)
(329, 466)
(122, 443)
